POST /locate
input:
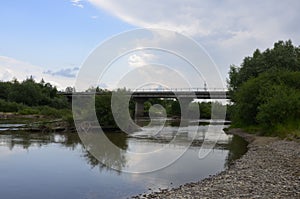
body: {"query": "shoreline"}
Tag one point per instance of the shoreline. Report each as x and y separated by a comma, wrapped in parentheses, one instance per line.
(269, 169)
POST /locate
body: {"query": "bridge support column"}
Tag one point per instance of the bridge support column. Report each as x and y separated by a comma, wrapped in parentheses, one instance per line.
(184, 106)
(139, 107)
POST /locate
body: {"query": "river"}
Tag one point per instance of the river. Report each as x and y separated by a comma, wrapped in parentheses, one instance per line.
(57, 165)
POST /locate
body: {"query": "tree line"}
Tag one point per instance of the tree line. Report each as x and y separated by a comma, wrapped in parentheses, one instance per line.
(31, 93)
(265, 90)
(29, 97)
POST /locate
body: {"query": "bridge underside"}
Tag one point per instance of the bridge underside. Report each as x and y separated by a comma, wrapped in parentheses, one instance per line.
(182, 94)
(185, 98)
(140, 97)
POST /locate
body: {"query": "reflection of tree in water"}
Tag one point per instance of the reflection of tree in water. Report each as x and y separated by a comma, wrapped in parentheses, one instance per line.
(108, 154)
(29, 139)
(237, 147)
(109, 158)
(91, 160)
(117, 161)
(24, 139)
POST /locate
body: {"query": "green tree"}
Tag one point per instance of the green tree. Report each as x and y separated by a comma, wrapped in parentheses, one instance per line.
(175, 108)
(205, 110)
(265, 89)
(280, 105)
(103, 110)
(283, 56)
(5, 88)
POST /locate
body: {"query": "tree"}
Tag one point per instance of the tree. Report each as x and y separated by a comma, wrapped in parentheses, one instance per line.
(175, 108)
(283, 56)
(265, 89)
(30, 93)
(5, 90)
(205, 110)
(42, 82)
(281, 104)
(70, 89)
(103, 110)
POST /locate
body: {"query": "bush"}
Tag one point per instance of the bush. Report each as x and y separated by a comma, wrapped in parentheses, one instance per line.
(281, 105)
(28, 111)
(9, 106)
(52, 112)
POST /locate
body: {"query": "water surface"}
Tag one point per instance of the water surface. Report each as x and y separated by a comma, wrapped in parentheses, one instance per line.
(36, 165)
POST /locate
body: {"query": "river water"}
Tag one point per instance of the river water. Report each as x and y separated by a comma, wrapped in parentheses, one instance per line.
(57, 165)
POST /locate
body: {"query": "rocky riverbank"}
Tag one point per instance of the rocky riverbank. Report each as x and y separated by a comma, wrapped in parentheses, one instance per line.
(270, 169)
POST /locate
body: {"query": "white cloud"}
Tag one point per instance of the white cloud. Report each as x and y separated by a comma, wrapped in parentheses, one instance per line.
(77, 3)
(203, 18)
(140, 59)
(95, 17)
(11, 68)
(229, 29)
(136, 61)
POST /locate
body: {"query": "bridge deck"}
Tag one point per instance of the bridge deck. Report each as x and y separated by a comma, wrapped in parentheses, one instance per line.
(182, 94)
(165, 94)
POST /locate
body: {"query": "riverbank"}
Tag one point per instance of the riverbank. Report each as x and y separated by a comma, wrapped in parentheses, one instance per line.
(34, 123)
(269, 169)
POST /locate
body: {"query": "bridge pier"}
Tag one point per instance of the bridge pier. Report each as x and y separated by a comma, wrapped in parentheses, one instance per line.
(139, 107)
(184, 106)
(185, 113)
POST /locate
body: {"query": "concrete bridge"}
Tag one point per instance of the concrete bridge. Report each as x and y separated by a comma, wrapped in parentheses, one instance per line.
(181, 93)
(185, 96)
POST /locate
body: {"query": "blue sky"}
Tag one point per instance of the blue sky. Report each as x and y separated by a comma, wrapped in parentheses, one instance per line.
(52, 38)
(53, 33)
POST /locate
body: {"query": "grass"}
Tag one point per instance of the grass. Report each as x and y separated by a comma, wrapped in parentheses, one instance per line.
(288, 130)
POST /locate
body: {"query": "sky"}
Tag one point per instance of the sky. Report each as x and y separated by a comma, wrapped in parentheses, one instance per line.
(51, 39)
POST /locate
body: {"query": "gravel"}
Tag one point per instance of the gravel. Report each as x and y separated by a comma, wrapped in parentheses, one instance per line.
(269, 169)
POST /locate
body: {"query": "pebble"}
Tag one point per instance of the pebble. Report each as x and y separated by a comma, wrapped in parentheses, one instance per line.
(269, 169)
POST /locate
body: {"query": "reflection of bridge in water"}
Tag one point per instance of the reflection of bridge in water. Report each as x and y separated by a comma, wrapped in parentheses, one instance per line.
(185, 95)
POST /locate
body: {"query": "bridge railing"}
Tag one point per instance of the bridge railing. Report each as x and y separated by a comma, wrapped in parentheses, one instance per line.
(156, 90)
(179, 89)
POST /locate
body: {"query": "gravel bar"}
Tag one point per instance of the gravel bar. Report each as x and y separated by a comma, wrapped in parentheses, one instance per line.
(269, 169)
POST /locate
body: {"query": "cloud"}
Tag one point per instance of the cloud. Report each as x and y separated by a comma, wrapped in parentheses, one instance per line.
(95, 17)
(67, 72)
(6, 74)
(11, 68)
(229, 29)
(204, 18)
(140, 59)
(77, 3)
